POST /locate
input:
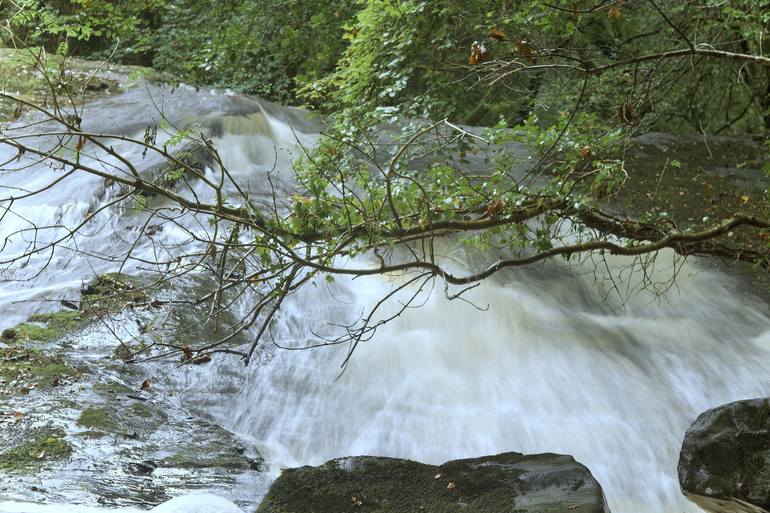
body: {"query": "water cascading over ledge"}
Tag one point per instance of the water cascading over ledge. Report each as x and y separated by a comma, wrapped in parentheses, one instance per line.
(546, 359)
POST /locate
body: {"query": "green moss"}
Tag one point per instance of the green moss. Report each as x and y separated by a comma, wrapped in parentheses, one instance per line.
(97, 418)
(111, 388)
(45, 327)
(107, 293)
(127, 351)
(45, 445)
(33, 367)
(59, 323)
(141, 410)
(22, 77)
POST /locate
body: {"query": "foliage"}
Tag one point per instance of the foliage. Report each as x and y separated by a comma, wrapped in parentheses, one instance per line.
(255, 46)
(96, 28)
(409, 58)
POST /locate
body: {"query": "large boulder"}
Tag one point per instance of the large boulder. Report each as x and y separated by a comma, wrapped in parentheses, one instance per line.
(724, 466)
(504, 483)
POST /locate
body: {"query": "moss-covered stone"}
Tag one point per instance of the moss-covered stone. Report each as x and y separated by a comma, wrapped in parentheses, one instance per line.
(45, 444)
(91, 434)
(97, 418)
(106, 294)
(111, 388)
(45, 327)
(33, 367)
(125, 351)
(492, 484)
(141, 409)
(119, 417)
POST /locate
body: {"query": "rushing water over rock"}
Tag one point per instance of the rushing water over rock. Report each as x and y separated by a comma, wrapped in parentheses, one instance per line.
(550, 359)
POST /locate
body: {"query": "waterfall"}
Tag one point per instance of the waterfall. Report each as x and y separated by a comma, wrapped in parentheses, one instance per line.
(549, 365)
(546, 359)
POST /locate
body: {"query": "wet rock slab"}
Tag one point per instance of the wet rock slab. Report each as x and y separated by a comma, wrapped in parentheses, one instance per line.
(724, 466)
(503, 483)
(81, 427)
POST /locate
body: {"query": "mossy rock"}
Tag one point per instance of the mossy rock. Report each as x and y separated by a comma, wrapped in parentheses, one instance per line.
(34, 367)
(111, 388)
(125, 351)
(106, 294)
(209, 446)
(92, 434)
(45, 445)
(122, 418)
(46, 327)
(97, 418)
(509, 482)
(83, 79)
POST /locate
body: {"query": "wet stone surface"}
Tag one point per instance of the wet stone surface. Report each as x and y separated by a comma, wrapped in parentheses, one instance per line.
(79, 428)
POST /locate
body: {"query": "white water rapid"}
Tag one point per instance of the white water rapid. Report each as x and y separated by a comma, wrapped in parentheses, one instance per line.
(548, 360)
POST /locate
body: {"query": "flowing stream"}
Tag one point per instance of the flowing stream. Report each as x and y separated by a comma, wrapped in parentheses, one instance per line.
(545, 359)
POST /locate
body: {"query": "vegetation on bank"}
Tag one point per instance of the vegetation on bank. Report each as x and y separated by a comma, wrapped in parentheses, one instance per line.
(411, 57)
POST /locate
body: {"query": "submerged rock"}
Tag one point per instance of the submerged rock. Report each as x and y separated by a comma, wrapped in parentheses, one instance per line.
(724, 466)
(503, 483)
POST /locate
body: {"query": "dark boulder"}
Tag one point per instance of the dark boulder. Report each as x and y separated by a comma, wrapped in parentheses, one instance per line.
(724, 466)
(491, 484)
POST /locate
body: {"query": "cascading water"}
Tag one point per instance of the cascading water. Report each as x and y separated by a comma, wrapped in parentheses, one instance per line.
(551, 366)
(545, 359)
